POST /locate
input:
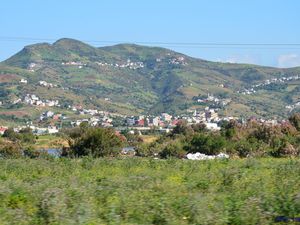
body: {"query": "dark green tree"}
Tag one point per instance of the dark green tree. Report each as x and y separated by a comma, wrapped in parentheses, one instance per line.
(97, 142)
(209, 144)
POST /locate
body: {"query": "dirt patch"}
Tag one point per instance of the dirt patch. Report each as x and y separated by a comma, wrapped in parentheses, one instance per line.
(5, 78)
(15, 113)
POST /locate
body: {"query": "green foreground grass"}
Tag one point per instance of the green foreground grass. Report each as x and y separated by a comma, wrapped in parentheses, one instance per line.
(146, 191)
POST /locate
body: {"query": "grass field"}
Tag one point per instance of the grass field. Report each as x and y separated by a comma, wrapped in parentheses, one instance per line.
(49, 141)
(145, 191)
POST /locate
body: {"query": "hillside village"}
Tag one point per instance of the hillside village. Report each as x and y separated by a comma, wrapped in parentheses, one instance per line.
(162, 123)
(254, 88)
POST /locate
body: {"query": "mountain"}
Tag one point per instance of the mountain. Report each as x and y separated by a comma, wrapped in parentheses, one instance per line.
(134, 79)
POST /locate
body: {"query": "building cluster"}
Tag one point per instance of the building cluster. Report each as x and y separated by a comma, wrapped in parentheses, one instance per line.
(164, 120)
(43, 83)
(178, 61)
(51, 115)
(73, 63)
(38, 130)
(208, 117)
(163, 123)
(103, 121)
(31, 67)
(253, 89)
(214, 100)
(78, 109)
(129, 64)
(268, 122)
(32, 99)
(293, 106)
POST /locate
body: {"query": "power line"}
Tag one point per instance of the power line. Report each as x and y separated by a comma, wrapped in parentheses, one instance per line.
(193, 44)
(173, 45)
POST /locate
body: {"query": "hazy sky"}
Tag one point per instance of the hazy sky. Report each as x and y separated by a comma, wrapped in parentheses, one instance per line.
(164, 21)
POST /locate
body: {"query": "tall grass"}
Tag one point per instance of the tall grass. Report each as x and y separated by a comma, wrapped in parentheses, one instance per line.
(145, 191)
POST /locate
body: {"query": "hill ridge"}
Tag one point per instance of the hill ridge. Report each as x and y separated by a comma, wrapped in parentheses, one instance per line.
(135, 79)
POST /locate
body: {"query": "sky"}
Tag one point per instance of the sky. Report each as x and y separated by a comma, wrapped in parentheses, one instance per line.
(178, 25)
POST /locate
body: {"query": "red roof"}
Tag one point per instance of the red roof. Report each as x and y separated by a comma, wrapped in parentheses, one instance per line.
(2, 129)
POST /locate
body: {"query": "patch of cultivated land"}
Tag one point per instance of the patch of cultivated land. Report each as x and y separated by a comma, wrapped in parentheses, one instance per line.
(49, 141)
(147, 191)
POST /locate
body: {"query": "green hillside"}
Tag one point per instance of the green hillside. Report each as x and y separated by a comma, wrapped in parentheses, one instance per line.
(133, 79)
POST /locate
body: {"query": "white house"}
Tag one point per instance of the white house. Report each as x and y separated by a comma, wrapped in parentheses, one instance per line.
(212, 126)
(23, 81)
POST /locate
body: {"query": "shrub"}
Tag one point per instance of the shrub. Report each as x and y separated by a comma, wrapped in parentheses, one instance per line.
(182, 128)
(10, 150)
(281, 147)
(97, 142)
(25, 135)
(209, 144)
(245, 148)
(133, 139)
(152, 149)
(11, 134)
(173, 149)
(229, 129)
(295, 120)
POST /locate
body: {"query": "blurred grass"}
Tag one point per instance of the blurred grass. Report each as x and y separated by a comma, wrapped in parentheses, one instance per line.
(146, 191)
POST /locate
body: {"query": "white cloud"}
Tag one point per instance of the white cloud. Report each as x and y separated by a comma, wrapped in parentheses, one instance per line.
(239, 59)
(289, 60)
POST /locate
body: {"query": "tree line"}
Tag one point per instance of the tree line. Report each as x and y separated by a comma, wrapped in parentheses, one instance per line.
(237, 139)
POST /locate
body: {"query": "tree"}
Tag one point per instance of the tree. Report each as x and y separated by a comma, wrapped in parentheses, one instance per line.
(229, 129)
(199, 127)
(10, 150)
(11, 134)
(182, 128)
(133, 139)
(295, 120)
(97, 142)
(173, 149)
(25, 135)
(246, 148)
(209, 144)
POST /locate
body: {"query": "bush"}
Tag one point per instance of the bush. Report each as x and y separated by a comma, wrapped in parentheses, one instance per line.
(25, 135)
(280, 147)
(11, 134)
(245, 148)
(96, 142)
(133, 139)
(173, 149)
(182, 129)
(229, 129)
(209, 144)
(295, 120)
(10, 150)
(149, 150)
